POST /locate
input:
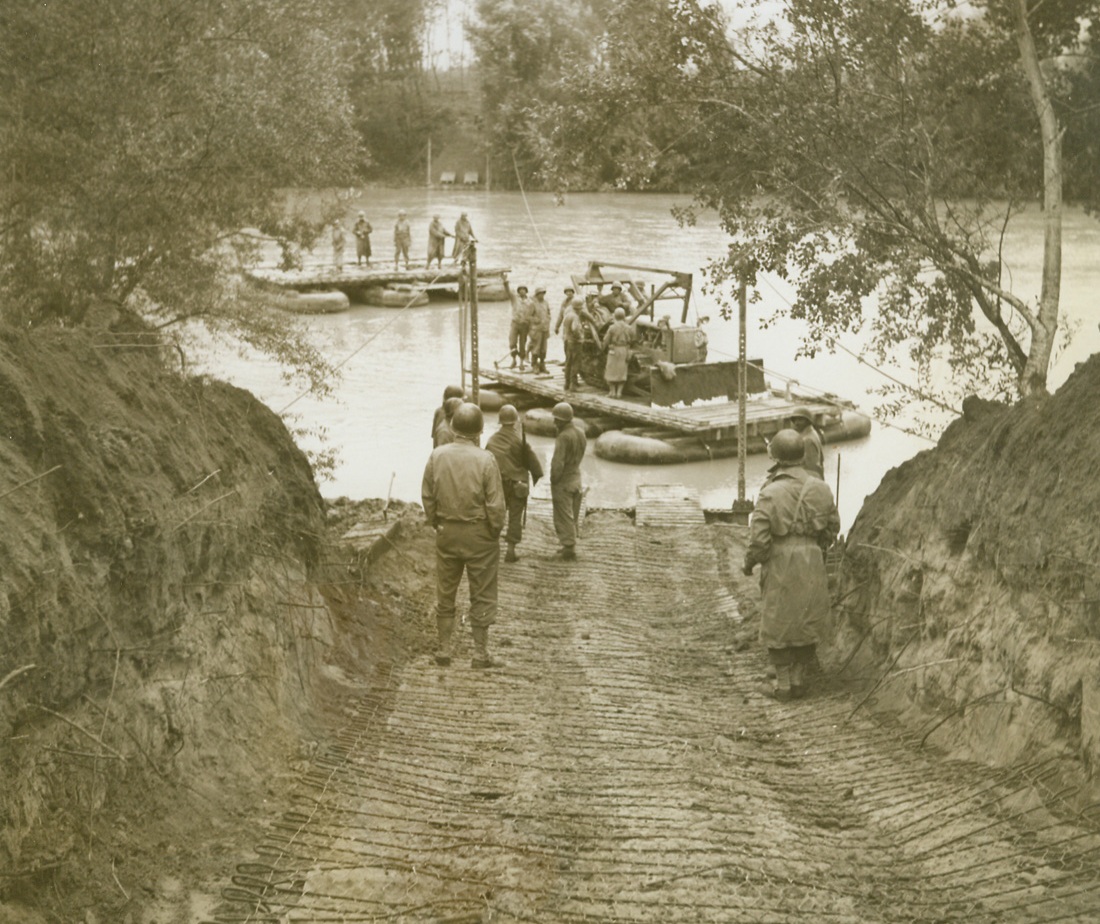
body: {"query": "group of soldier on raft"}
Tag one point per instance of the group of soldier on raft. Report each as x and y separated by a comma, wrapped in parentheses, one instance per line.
(471, 494)
(600, 316)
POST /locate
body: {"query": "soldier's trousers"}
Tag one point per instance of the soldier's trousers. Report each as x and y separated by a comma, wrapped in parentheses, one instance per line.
(567, 513)
(472, 548)
(517, 338)
(572, 362)
(513, 533)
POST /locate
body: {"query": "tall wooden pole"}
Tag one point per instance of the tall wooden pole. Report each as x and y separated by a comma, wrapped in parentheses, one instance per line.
(742, 387)
(471, 282)
(742, 507)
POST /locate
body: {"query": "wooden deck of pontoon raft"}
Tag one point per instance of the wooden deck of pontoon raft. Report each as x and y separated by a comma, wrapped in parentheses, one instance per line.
(765, 412)
(352, 278)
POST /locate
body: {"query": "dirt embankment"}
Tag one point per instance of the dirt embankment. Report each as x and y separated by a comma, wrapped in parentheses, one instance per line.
(974, 577)
(172, 621)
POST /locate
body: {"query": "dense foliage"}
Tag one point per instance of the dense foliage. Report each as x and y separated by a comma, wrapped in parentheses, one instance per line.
(859, 148)
(137, 135)
(391, 85)
(522, 51)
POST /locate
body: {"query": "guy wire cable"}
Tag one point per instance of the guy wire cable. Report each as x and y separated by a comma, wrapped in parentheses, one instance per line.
(361, 346)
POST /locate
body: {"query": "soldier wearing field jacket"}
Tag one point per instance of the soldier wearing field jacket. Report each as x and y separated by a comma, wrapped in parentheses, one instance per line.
(464, 501)
(518, 464)
(795, 520)
(565, 478)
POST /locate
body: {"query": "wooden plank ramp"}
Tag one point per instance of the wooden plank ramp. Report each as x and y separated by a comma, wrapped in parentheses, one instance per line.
(663, 505)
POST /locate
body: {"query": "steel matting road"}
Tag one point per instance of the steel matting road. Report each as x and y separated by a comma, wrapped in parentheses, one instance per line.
(624, 766)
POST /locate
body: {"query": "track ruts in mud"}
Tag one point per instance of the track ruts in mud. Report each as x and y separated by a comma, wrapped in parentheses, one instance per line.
(624, 766)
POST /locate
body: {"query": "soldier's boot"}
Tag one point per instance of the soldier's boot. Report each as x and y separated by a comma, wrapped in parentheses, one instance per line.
(445, 628)
(511, 555)
(798, 680)
(515, 357)
(481, 648)
(782, 689)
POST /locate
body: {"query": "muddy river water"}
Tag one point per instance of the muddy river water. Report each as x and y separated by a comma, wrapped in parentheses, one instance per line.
(396, 363)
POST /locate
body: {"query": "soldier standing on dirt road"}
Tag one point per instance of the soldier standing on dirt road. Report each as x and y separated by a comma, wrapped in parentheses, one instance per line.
(464, 502)
(794, 521)
(518, 464)
(565, 478)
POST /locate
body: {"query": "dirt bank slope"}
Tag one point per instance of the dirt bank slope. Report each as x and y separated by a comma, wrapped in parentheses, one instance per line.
(162, 634)
(974, 572)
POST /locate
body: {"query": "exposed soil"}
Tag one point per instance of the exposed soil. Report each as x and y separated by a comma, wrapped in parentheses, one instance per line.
(974, 571)
(175, 625)
(217, 704)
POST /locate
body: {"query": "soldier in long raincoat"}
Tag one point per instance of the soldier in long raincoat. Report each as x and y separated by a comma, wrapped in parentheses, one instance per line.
(794, 521)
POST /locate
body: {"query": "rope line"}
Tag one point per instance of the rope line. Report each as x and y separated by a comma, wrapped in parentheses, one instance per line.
(836, 343)
(363, 345)
(527, 206)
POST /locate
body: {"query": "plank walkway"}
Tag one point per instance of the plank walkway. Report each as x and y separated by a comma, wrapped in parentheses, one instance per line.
(354, 277)
(623, 766)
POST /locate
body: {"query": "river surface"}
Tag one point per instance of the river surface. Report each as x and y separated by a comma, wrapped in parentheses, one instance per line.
(395, 364)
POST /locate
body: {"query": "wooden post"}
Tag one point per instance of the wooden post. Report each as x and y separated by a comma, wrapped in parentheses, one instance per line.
(429, 162)
(742, 507)
(471, 281)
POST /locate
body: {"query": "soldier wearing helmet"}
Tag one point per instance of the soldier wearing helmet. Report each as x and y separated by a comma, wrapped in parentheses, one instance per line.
(565, 478)
(464, 501)
(795, 519)
(518, 464)
(802, 420)
(571, 326)
(402, 238)
(616, 299)
(620, 335)
(362, 230)
(440, 415)
(523, 314)
(444, 432)
(540, 329)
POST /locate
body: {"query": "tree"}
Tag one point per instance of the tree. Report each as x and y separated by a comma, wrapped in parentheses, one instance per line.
(521, 51)
(864, 148)
(395, 111)
(138, 136)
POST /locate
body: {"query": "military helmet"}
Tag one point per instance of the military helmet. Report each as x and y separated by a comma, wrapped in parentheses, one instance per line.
(467, 420)
(508, 414)
(564, 411)
(451, 405)
(803, 412)
(787, 446)
(620, 315)
(453, 391)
